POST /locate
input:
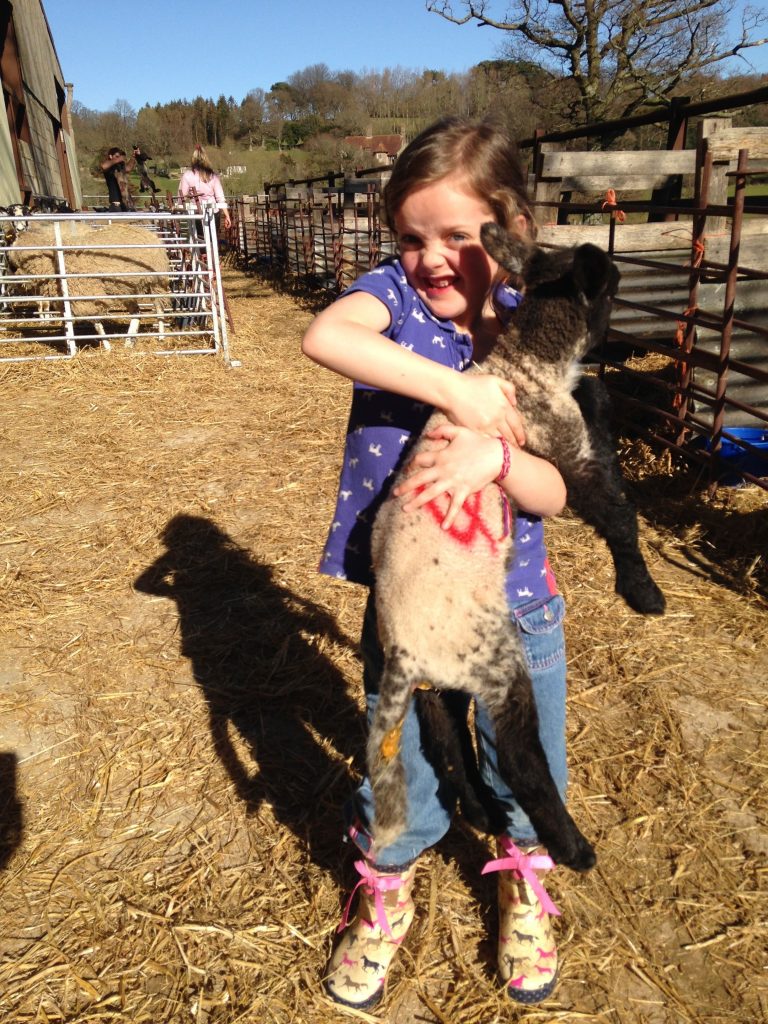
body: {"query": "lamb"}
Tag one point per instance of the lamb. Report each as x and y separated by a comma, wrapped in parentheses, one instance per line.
(441, 605)
(99, 252)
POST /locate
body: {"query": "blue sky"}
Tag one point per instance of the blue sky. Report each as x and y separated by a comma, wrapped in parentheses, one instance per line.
(151, 51)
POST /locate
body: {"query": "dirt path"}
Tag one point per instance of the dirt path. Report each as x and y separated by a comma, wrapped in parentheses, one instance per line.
(180, 722)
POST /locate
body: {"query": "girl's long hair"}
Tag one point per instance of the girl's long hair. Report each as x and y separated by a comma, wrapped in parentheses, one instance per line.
(201, 164)
(480, 152)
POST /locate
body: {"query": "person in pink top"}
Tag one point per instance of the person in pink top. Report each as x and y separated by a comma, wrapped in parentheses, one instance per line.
(201, 182)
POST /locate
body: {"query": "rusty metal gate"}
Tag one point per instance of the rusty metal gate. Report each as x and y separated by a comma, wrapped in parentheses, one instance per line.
(703, 314)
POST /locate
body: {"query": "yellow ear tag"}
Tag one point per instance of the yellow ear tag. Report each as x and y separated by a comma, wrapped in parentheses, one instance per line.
(391, 742)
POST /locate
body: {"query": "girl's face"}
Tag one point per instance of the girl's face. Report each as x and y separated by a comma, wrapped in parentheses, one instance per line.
(438, 233)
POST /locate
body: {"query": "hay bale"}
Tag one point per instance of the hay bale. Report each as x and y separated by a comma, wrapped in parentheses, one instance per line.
(104, 267)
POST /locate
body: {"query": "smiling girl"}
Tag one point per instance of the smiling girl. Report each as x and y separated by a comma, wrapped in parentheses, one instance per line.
(403, 333)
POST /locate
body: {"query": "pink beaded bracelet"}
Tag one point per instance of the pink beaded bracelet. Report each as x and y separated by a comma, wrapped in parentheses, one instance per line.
(505, 461)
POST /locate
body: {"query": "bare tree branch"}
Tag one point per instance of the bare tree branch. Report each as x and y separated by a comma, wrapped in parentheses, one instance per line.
(619, 54)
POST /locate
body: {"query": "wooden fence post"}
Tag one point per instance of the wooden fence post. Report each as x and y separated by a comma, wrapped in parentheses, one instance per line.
(676, 137)
(718, 185)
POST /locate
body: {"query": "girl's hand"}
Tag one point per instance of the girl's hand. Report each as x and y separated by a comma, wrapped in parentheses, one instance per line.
(462, 463)
(486, 404)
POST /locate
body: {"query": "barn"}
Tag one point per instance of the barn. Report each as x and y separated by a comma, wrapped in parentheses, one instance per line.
(383, 149)
(38, 163)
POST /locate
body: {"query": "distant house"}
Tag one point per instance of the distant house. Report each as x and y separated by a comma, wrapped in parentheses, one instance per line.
(234, 169)
(383, 149)
(37, 147)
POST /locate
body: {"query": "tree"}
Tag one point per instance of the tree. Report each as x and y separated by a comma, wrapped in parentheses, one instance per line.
(222, 120)
(87, 127)
(619, 54)
(522, 96)
(282, 102)
(176, 126)
(250, 117)
(149, 133)
(199, 119)
(118, 125)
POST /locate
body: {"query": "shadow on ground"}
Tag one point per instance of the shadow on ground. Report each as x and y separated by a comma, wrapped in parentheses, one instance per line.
(11, 811)
(312, 296)
(252, 646)
(722, 539)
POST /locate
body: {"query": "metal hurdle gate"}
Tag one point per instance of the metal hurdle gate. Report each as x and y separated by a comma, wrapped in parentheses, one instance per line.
(185, 316)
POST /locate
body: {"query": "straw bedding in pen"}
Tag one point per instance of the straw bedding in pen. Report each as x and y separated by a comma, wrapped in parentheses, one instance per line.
(180, 707)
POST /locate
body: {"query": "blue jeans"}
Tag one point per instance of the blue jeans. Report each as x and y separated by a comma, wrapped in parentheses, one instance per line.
(540, 628)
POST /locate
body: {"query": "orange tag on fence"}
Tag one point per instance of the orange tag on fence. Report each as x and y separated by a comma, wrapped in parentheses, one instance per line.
(610, 200)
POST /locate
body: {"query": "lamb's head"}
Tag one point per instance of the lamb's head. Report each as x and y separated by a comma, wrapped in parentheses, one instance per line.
(568, 292)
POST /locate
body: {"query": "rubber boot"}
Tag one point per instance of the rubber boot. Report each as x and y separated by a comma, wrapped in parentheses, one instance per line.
(358, 968)
(527, 957)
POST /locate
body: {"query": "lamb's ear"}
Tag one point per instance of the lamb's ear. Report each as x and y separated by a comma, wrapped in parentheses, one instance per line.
(507, 249)
(546, 265)
(594, 272)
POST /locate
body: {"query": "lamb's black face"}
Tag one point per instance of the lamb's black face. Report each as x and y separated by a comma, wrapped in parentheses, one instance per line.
(595, 272)
(588, 266)
(585, 275)
(598, 320)
(597, 277)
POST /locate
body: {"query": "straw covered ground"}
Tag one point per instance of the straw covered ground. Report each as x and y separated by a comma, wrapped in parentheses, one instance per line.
(180, 718)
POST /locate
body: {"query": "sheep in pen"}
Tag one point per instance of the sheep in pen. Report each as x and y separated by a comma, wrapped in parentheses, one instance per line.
(96, 274)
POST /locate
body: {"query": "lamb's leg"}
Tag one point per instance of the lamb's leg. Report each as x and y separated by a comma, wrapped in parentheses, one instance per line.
(385, 766)
(523, 765)
(447, 745)
(596, 492)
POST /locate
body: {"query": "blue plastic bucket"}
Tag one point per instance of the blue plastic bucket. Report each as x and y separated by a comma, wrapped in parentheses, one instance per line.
(739, 459)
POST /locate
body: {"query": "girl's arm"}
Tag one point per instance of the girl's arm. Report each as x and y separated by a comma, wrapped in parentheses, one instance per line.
(221, 200)
(463, 462)
(346, 337)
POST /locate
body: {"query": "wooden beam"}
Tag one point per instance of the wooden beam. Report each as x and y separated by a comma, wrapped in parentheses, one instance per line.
(726, 143)
(659, 237)
(648, 162)
(618, 182)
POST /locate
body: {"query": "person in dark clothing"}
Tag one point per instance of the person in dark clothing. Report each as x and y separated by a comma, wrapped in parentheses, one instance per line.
(115, 169)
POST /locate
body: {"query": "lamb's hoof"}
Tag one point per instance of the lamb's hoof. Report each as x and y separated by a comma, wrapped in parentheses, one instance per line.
(642, 596)
(578, 855)
(585, 859)
(488, 819)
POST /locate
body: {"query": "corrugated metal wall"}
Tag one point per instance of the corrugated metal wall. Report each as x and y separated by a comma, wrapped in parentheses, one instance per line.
(9, 186)
(44, 95)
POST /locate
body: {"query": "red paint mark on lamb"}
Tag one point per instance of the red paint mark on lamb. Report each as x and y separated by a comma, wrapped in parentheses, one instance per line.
(470, 526)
